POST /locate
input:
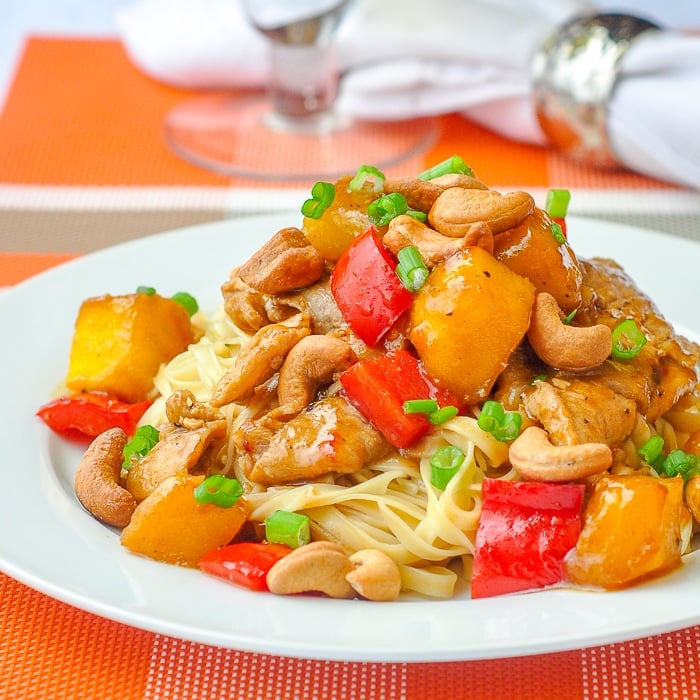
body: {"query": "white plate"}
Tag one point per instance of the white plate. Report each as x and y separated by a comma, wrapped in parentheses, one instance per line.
(49, 542)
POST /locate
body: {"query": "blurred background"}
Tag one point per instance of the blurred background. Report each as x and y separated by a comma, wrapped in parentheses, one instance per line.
(96, 18)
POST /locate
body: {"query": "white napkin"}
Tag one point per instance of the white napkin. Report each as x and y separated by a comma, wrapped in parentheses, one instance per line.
(405, 58)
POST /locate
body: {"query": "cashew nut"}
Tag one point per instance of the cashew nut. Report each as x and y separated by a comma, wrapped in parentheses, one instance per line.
(421, 194)
(457, 208)
(287, 261)
(535, 458)
(404, 230)
(570, 348)
(317, 567)
(260, 359)
(96, 481)
(375, 575)
(313, 361)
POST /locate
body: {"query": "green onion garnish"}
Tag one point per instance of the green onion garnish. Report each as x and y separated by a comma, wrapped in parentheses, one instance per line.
(652, 451)
(143, 289)
(557, 232)
(679, 462)
(538, 378)
(627, 340)
(454, 164)
(367, 173)
(569, 317)
(285, 527)
(143, 440)
(188, 301)
(444, 464)
(322, 196)
(557, 203)
(420, 406)
(411, 270)
(219, 490)
(417, 215)
(442, 414)
(381, 211)
(503, 425)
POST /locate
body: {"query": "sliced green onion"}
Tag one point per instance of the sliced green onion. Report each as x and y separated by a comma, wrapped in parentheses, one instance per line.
(417, 215)
(322, 196)
(188, 301)
(420, 406)
(679, 462)
(412, 271)
(367, 173)
(557, 232)
(652, 451)
(503, 425)
(444, 464)
(627, 340)
(141, 443)
(219, 490)
(454, 164)
(557, 203)
(569, 317)
(143, 289)
(381, 211)
(285, 527)
(442, 415)
(538, 378)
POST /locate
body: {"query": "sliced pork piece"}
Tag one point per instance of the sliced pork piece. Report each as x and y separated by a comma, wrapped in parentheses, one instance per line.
(329, 437)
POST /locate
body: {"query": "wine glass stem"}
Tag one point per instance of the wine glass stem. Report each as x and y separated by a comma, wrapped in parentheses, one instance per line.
(302, 86)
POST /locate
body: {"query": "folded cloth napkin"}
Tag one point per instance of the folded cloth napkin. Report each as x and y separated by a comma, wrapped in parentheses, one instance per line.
(405, 58)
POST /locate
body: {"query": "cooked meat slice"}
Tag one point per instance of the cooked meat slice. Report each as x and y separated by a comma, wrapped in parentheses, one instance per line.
(286, 262)
(331, 436)
(317, 302)
(577, 411)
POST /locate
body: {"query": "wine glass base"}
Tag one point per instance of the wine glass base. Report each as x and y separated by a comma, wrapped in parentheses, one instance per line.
(240, 137)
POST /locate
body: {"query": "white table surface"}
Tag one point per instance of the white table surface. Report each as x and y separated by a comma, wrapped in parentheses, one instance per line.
(19, 18)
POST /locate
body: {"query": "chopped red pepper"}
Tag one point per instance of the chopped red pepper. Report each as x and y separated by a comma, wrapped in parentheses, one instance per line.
(378, 388)
(562, 222)
(367, 289)
(525, 531)
(244, 563)
(91, 413)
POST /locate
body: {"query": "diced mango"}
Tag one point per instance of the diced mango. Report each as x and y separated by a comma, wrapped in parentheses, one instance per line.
(467, 319)
(119, 343)
(531, 250)
(631, 531)
(171, 526)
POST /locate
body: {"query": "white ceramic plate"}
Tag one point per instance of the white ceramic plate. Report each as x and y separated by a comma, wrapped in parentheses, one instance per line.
(50, 543)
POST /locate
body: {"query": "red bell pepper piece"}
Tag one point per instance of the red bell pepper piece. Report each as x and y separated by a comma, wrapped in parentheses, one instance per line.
(244, 563)
(91, 413)
(378, 387)
(525, 530)
(562, 222)
(366, 288)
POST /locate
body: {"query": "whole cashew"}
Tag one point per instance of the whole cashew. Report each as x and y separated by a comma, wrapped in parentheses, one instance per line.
(375, 575)
(315, 360)
(260, 359)
(457, 208)
(404, 230)
(317, 567)
(571, 348)
(421, 194)
(96, 480)
(535, 458)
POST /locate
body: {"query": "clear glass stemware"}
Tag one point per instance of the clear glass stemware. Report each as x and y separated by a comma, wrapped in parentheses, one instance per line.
(293, 131)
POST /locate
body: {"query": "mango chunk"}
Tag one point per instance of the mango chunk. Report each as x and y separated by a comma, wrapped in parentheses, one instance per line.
(119, 343)
(467, 319)
(631, 531)
(171, 526)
